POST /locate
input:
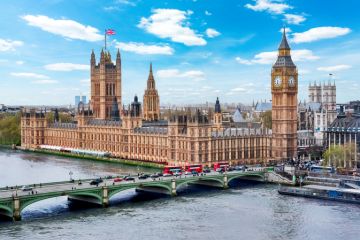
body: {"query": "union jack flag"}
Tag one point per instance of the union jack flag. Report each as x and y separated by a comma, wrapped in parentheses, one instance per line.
(110, 32)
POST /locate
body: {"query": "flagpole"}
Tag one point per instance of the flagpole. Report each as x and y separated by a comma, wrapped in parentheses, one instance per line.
(105, 39)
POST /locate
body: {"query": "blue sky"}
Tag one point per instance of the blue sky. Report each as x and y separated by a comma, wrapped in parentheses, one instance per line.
(200, 49)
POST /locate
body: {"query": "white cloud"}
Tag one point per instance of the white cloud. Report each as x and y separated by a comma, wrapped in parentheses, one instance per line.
(270, 57)
(238, 89)
(44, 81)
(207, 13)
(28, 75)
(294, 19)
(319, 33)
(141, 48)
(66, 67)
(19, 62)
(63, 27)
(175, 73)
(9, 45)
(173, 24)
(211, 33)
(243, 61)
(126, 2)
(334, 68)
(268, 5)
(115, 6)
(87, 80)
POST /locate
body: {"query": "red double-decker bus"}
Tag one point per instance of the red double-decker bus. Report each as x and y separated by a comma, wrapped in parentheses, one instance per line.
(172, 169)
(222, 165)
(194, 167)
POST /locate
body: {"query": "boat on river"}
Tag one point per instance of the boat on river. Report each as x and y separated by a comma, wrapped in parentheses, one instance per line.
(323, 192)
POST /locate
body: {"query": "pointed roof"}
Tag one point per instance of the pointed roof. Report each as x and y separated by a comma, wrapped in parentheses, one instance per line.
(237, 117)
(151, 80)
(284, 43)
(118, 54)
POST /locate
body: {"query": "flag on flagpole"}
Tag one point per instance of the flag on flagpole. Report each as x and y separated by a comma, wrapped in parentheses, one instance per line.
(110, 32)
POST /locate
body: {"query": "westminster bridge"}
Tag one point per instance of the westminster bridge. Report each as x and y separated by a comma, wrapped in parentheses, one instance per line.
(14, 201)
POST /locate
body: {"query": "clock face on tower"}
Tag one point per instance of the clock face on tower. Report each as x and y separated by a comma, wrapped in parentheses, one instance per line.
(291, 81)
(277, 81)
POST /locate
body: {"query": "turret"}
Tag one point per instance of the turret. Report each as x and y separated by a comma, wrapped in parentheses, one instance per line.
(118, 59)
(92, 60)
(217, 114)
(217, 106)
(102, 56)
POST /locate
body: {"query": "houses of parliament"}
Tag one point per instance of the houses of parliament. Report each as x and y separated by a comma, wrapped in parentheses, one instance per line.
(139, 132)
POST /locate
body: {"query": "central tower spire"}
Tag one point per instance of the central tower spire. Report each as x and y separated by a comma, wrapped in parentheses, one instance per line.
(151, 105)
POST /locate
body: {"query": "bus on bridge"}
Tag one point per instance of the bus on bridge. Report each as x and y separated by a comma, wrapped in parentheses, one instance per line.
(194, 167)
(172, 169)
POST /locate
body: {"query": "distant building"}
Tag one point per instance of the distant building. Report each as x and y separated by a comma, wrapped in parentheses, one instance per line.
(77, 101)
(83, 99)
(319, 112)
(345, 129)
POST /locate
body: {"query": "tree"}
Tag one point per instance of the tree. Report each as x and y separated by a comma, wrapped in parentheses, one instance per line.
(10, 129)
(63, 117)
(266, 119)
(340, 156)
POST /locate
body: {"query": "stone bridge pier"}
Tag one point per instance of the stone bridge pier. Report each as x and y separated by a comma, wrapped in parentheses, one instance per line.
(173, 187)
(105, 196)
(17, 210)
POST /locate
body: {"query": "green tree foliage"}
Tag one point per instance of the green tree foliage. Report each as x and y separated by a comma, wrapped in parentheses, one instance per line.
(63, 117)
(266, 119)
(340, 156)
(10, 129)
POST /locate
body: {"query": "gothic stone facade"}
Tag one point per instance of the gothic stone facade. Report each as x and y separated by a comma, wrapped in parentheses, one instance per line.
(182, 139)
(179, 141)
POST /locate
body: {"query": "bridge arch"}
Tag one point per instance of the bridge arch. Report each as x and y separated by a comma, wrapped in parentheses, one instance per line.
(253, 176)
(6, 211)
(218, 182)
(37, 198)
(114, 191)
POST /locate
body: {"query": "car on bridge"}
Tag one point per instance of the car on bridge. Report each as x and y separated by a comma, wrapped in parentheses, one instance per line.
(96, 181)
(155, 175)
(188, 173)
(117, 179)
(129, 178)
(219, 170)
(144, 176)
(26, 188)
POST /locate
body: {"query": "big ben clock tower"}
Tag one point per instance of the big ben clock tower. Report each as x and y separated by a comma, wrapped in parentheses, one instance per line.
(284, 89)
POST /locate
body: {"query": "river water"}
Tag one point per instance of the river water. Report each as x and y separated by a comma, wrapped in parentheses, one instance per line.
(245, 211)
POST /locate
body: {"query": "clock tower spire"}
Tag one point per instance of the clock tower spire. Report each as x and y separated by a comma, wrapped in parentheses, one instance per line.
(284, 89)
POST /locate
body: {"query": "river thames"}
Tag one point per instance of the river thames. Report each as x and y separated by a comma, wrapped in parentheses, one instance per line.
(245, 211)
